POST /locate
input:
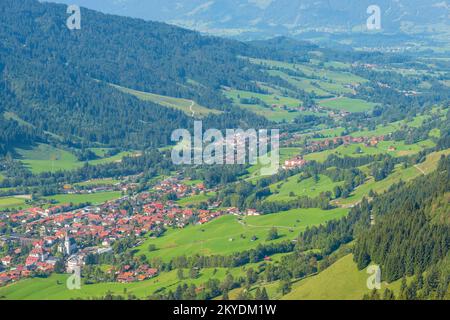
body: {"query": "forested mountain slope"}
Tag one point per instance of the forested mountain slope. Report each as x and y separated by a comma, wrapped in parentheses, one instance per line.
(272, 17)
(58, 80)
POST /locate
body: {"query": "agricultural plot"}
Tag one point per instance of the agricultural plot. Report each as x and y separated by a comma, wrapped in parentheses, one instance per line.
(229, 234)
(292, 188)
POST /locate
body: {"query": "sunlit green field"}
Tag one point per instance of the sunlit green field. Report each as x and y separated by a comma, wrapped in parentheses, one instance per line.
(195, 199)
(46, 158)
(309, 187)
(312, 71)
(347, 104)
(55, 287)
(94, 198)
(399, 174)
(285, 154)
(97, 182)
(229, 234)
(185, 105)
(401, 149)
(12, 203)
(342, 281)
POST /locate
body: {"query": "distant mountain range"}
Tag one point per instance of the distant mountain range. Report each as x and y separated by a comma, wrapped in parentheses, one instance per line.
(267, 18)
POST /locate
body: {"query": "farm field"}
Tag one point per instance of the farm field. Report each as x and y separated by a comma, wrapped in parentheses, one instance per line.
(347, 104)
(341, 281)
(309, 187)
(185, 105)
(94, 198)
(229, 234)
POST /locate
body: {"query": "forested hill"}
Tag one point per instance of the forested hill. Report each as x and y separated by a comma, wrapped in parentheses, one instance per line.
(411, 233)
(57, 79)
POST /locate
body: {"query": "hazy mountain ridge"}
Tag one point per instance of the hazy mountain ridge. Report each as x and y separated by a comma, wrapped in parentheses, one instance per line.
(281, 17)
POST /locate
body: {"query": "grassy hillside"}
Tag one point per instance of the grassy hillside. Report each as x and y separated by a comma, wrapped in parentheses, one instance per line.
(309, 187)
(12, 203)
(230, 234)
(356, 150)
(189, 107)
(46, 158)
(94, 198)
(341, 281)
(54, 287)
(347, 104)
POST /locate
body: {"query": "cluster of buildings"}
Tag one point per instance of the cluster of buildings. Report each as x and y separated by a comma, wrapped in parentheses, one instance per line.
(294, 163)
(44, 237)
(321, 145)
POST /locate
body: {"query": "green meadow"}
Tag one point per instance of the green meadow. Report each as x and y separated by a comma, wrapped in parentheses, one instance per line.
(270, 99)
(312, 71)
(362, 191)
(55, 288)
(195, 199)
(12, 203)
(357, 150)
(285, 154)
(94, 198)
(399, 174)
(229, 234)
(46, 158)
(288, 190)
(97, 182)
(347, 104)
(185, 105)
(342, 281)
(277, 104)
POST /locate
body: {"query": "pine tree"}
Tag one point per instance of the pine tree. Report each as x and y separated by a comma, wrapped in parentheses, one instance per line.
(388, 295)
(264, 295)
(225, 295)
